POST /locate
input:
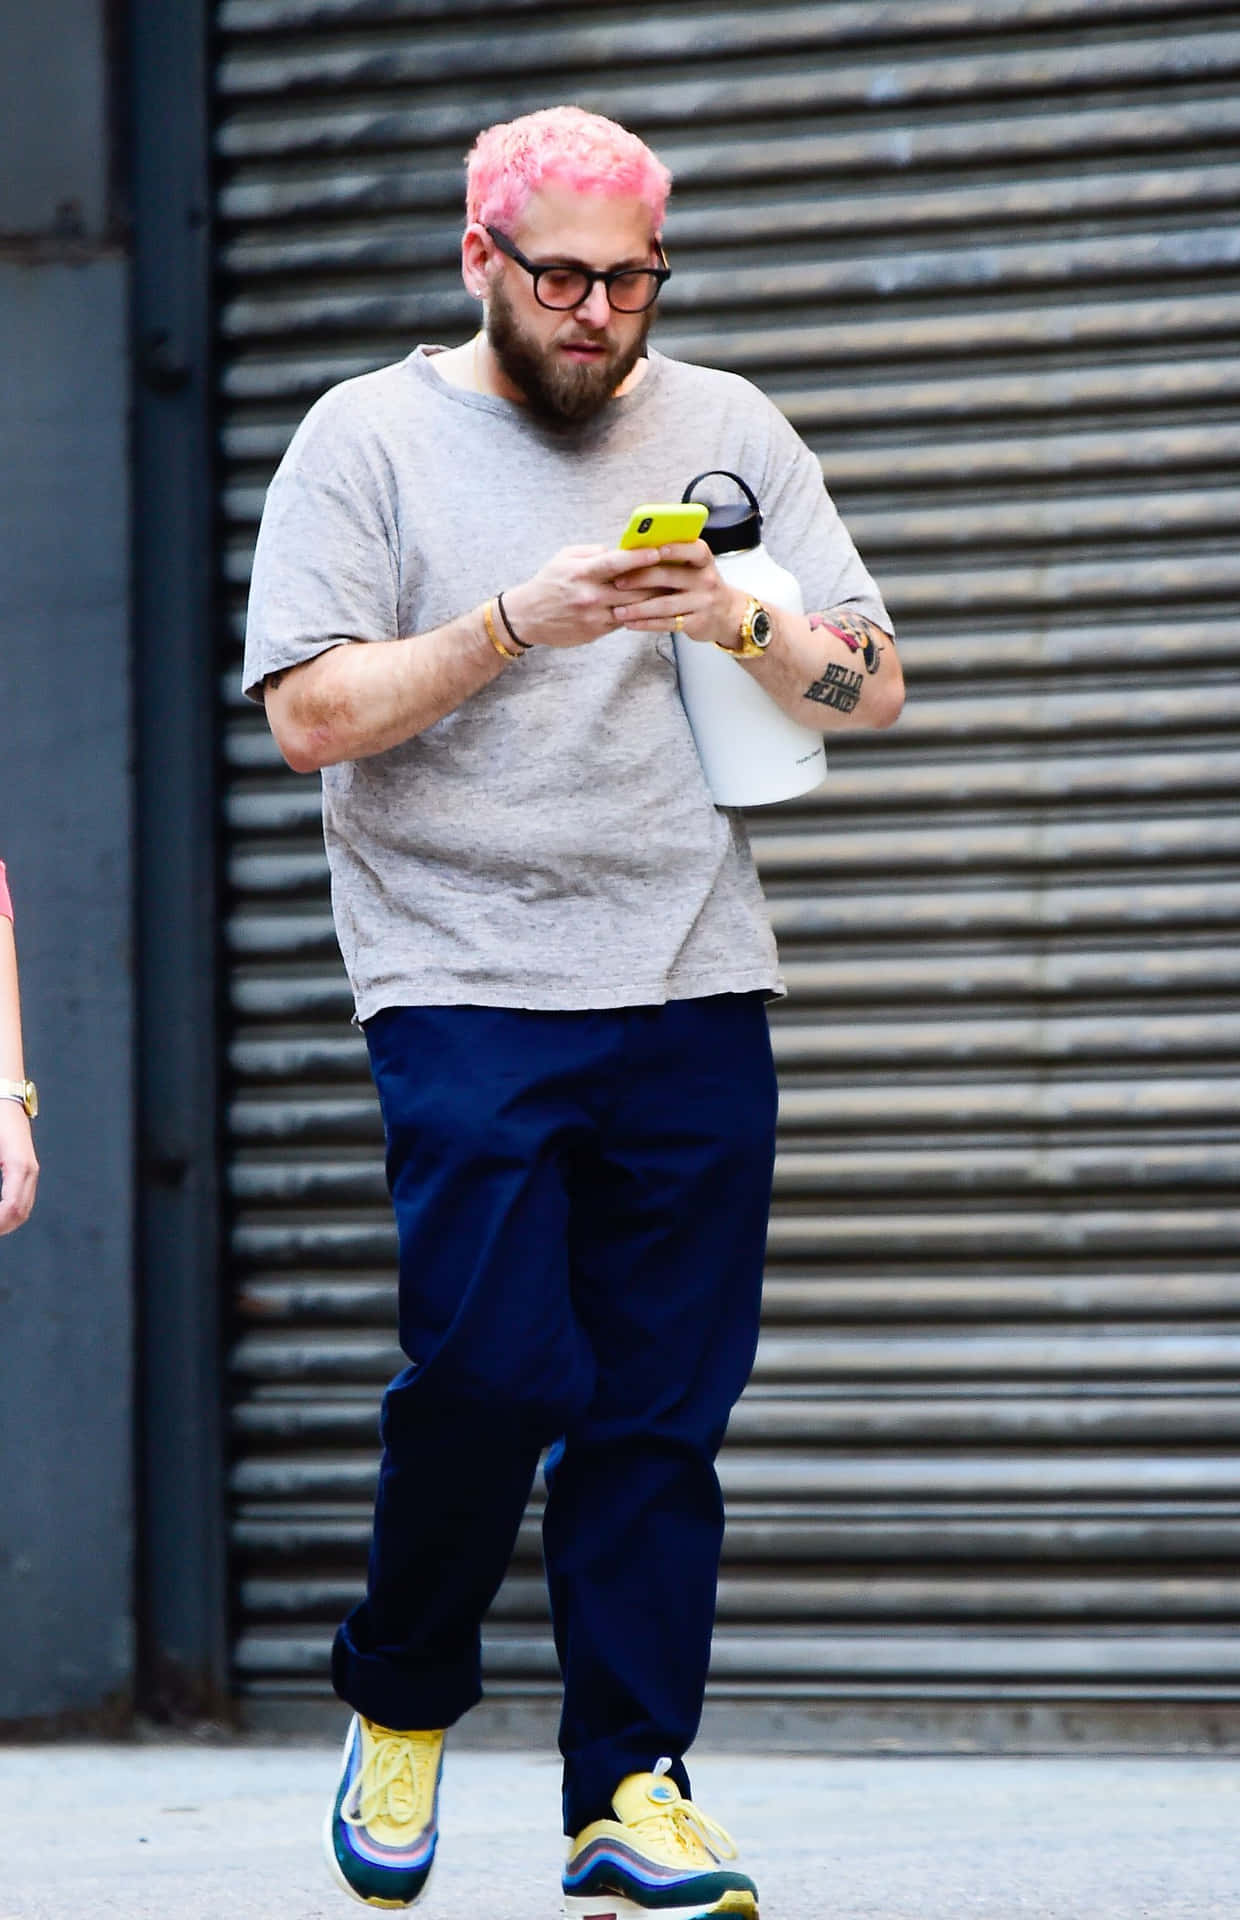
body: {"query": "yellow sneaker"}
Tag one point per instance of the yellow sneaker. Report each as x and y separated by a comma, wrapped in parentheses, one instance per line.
(381, 1828)
(660, 1855)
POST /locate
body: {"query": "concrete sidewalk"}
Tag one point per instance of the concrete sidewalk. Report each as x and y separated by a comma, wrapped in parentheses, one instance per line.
(188, 1831)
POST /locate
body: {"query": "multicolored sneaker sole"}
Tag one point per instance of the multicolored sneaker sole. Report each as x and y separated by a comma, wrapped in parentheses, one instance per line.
(613, 1906)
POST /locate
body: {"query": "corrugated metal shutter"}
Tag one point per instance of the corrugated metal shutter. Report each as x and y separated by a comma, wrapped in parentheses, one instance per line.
(985, 254)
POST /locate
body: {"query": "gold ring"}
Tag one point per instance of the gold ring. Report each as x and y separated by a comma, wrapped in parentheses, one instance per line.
(678, 624)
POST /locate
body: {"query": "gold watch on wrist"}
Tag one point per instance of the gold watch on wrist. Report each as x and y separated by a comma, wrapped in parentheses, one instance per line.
(24, 1092)
(754, 633)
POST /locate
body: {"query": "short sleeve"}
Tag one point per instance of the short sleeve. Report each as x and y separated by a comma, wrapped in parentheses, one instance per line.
(326, 570)
(803, 531)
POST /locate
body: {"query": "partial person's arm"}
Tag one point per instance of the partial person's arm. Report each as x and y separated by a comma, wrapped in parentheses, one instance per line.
(19, 1169)
(355, 700)
(360, 699)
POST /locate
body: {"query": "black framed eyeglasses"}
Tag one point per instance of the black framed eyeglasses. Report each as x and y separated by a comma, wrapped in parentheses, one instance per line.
(560, 286)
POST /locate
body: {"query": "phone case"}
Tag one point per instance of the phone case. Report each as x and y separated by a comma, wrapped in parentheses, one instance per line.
(663, 524)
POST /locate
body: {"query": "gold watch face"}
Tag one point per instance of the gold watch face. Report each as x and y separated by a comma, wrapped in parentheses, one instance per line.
(760, 628)
(756, 630)
(31, 1101)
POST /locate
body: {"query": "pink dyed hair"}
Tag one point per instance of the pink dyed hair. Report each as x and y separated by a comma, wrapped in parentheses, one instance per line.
(567, 145)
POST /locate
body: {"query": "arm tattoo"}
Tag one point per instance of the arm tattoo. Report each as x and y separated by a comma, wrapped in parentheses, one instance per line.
(838, 687)
(859, 635)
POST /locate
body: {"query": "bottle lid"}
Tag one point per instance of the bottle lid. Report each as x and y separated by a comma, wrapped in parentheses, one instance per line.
(734, 528)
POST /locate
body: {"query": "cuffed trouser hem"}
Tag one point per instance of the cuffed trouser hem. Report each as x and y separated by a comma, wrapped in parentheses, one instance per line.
(592, 1776)
(393, 1696)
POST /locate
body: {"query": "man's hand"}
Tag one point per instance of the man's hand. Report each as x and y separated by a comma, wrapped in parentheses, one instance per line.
(18, 1166)
(580, 594)
(684, 583)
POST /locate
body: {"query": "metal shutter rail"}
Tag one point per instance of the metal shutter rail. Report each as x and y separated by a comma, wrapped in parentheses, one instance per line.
(986, 257)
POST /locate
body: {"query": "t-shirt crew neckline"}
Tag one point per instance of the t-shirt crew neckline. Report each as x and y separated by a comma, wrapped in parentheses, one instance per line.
(421, 364)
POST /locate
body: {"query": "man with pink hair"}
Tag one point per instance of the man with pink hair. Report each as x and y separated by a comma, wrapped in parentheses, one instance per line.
(561, 960)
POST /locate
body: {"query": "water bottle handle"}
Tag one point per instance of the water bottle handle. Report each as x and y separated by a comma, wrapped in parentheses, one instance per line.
(726, 474)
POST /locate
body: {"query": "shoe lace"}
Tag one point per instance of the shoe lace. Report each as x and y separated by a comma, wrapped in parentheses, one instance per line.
(684, 1828)
(388, 1785)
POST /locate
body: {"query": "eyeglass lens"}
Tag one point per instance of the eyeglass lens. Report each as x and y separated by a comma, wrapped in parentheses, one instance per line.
(628, 292)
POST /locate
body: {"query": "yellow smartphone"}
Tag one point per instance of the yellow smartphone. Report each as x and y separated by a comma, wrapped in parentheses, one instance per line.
(664, 523)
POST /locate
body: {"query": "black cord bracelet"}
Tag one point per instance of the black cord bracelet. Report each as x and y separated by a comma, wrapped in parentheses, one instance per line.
(524, 645)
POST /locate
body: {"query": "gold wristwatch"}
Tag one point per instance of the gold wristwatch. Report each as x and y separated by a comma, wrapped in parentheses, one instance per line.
(755, 632)
(24, 1092)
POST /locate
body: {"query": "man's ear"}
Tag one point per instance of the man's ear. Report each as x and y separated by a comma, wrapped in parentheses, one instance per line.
(476, 256)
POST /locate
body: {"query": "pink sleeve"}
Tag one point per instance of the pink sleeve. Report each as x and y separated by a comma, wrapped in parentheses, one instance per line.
(6, 905)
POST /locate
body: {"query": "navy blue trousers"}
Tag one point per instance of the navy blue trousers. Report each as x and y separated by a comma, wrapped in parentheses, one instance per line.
(581, 1202)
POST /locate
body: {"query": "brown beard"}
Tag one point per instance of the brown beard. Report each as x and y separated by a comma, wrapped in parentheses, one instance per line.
(558, 392)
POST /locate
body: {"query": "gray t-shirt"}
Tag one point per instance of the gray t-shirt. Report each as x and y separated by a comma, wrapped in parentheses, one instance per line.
(552, 843)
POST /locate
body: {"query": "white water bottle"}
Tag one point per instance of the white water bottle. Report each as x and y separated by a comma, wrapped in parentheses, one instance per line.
(752, 752)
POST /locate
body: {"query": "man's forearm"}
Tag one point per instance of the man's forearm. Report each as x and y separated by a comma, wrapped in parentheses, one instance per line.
(357, 699)
(831, 669)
